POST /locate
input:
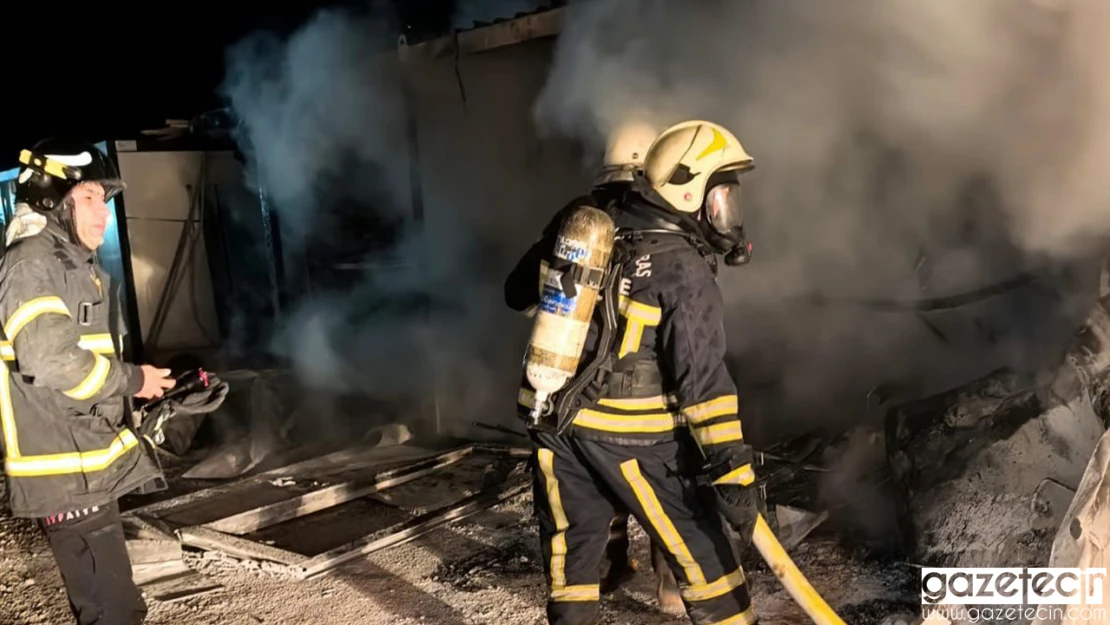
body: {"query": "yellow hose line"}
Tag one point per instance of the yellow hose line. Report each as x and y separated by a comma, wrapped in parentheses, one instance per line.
(792, 579)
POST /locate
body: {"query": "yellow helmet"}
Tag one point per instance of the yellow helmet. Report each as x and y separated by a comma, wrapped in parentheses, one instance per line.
(681, 160)
(624, 153)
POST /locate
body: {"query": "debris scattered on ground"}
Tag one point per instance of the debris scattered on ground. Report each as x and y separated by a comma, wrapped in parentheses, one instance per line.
(485, 568)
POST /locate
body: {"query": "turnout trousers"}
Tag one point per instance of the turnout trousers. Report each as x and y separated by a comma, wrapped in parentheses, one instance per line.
(91, 553)
(579, 485)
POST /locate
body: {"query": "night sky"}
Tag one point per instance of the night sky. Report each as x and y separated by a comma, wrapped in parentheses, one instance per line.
(102, 72)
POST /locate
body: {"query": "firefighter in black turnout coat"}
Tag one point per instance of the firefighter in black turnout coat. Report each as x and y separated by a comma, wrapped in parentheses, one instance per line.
(69, 452)
(658, 415)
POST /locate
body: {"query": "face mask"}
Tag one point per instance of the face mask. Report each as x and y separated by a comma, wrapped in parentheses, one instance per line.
(724, 210)
(724, 214)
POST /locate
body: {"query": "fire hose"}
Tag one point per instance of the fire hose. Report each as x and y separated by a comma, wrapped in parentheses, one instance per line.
(776, 558)
(791, 577)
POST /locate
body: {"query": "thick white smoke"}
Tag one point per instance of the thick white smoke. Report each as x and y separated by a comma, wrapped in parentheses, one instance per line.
(904, 149)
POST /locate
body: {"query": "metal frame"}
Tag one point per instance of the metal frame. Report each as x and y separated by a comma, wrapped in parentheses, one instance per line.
(543, 24)
(134, 340)
(226, 534)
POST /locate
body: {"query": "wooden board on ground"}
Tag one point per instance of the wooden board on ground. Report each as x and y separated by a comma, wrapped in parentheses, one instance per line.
(218, 502)
(185, 587)
(494, 475)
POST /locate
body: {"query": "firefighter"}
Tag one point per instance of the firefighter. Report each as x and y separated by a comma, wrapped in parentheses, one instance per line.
(657, 423)
(69, 450)
(622, 161)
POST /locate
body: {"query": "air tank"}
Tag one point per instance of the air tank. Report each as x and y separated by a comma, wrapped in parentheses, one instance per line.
(583, 248)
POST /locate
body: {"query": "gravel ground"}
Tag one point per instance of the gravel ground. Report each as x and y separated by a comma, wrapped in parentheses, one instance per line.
(483, 570)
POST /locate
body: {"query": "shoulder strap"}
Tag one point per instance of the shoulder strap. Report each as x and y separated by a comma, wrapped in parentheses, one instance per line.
(639, 244)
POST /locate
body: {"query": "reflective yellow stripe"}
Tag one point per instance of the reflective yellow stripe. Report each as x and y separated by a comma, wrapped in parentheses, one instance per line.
(716, 588)
(546, 459)
(627, 424)
(645, 313)
(742, 475)
(29, 311)
(719, 407)
(50, 166)
(639, 316)
(75, 462)
(16, 464)
(7, 415)
(526, 397)
(661, 522)
(659, 402)
(94, 381)
(98, 343)
(581, 592)
(747, 617)
(718, 433)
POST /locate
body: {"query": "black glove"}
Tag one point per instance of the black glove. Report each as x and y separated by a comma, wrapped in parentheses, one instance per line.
(740, 505)
(738, 494)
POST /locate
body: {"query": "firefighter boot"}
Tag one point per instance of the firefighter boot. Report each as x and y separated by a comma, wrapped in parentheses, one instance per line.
(666, 587)
(622, 567)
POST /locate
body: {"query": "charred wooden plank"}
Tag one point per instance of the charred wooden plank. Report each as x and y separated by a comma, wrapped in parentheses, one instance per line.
(314, 501)
(408, 530)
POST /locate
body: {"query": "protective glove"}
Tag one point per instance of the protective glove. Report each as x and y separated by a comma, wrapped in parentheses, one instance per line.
(737, 491)
(740, 505)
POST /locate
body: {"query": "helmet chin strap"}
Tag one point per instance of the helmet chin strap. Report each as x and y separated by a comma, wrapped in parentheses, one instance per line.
(67, 219)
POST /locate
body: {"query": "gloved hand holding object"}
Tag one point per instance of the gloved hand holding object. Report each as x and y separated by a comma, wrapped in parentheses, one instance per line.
(737, 491)
(196, 392)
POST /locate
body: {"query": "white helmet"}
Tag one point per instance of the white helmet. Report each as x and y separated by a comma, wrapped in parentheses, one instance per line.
(679, 163)
(625, 151)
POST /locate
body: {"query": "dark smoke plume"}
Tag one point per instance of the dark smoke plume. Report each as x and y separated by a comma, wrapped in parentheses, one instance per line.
(904, 150)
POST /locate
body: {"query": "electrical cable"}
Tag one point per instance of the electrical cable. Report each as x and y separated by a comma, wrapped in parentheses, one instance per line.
(183, 259)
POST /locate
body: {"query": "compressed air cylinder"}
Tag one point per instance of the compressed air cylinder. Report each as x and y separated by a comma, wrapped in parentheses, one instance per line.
(563, 319)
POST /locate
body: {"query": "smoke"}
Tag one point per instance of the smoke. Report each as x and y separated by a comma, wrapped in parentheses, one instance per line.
(324, 123)
(904, 149)
(322, 117)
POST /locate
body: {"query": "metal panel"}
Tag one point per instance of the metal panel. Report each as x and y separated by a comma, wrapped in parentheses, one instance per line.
(488, 186)
(157, 206)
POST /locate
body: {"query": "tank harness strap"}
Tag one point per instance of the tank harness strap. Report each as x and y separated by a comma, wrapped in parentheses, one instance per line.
(573, 274)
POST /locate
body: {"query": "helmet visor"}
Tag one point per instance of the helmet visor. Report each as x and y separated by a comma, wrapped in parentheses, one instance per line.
(724, 209)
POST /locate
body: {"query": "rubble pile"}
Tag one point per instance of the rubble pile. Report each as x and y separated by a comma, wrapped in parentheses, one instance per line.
(984, 472)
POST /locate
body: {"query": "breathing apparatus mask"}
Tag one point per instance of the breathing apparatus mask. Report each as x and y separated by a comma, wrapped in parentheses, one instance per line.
(722, 218)
(717, 228)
